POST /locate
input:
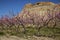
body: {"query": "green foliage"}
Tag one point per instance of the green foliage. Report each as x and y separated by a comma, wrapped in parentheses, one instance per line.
(46, 31)
(57, 31)
(2, 33)
(31, 31)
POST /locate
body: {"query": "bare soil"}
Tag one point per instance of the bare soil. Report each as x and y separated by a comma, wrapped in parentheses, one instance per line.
(29, 38)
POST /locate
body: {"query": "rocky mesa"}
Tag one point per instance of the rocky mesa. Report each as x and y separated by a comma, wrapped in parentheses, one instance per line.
(40, 13)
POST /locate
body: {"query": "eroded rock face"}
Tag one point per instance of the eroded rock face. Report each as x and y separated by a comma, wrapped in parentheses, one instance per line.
(40, 12)
(42, 8)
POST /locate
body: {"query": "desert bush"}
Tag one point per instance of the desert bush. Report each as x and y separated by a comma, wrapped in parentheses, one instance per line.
(31, 31)
(2, 33)
(30, 25)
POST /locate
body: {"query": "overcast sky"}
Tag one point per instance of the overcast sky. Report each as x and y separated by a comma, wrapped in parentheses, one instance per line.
(7, 6)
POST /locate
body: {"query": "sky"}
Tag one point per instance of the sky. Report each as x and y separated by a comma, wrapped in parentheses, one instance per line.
(7, 7)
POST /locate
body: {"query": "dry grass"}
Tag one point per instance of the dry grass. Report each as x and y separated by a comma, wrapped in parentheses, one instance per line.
(29, 38)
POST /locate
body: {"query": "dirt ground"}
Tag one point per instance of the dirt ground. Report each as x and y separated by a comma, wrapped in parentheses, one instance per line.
(18, 38)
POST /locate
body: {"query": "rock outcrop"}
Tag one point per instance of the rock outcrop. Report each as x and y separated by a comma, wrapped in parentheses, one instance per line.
(40, 12)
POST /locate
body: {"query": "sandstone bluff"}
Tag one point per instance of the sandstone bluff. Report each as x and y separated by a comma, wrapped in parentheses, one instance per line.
(40, 13)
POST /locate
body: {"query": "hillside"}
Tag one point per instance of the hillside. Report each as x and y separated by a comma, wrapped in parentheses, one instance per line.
(39, 21)
(39, 13)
